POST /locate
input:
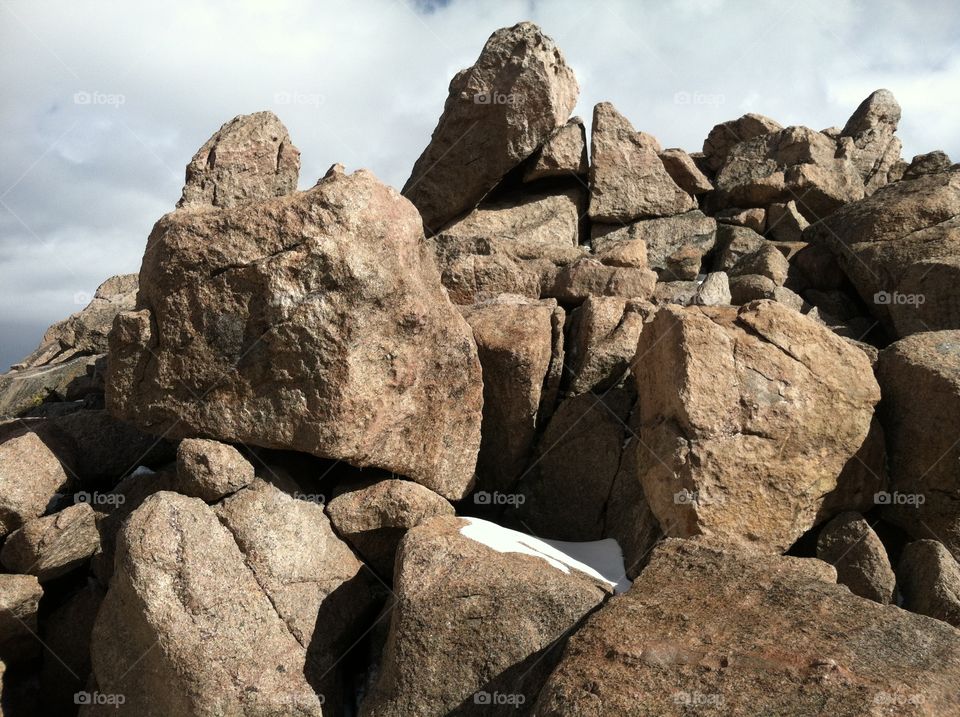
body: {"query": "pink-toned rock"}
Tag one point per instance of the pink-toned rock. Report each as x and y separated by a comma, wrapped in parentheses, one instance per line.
(564, 154)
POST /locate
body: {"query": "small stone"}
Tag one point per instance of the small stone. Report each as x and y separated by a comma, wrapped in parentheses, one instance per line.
(929, 578)
(564, 154)
(682, 169)
(850, 545)
(211, 470)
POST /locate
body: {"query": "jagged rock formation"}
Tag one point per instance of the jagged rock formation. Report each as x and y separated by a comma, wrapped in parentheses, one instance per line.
(285, 469)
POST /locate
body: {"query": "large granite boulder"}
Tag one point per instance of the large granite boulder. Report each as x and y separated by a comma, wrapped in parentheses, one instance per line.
(851, 546)
(628, 180)
(707, 630)
(248, 159)
(479, 616)
(920, 379)
(929, 579)
(187, 611)
(497, 113)
(53, 545)
(747, 419)
(315, 322)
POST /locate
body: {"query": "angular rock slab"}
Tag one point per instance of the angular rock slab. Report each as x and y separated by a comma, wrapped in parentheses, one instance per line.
(747, 419)
(564, 154)
(248, 159)
(515, 342)
(627, 178)
(314, 322)
(710, 631)
(471, 622)
(54, 545)
(920, 379)
(187, 612)
(875, 148)
(497, 113)
(724, 136)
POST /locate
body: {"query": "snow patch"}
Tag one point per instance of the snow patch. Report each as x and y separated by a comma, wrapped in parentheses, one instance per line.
(600, 559)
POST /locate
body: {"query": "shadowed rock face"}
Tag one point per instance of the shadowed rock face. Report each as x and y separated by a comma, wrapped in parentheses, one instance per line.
(497, 113)
(719, 629)
(314, 322)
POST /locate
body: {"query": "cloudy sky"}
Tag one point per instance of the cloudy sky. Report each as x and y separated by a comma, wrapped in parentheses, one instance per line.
(105, 102)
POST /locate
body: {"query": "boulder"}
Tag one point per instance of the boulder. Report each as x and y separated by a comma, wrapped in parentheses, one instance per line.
(920, 379)
(188, 612)
(754, 218)
(726, 135)
(766, 261)
(747, 419)
(785, 222)
(476, 627)
(662, 238)
(321, 591)
(680, 293)
(314, 322)
(682, 169)
(929, 579)
(795, 163)
(23, 391)
(19, 598)
(707, 630)
(566, 489)
(601, 276)
(211, 470)
(901, 249)
(373, 516)
(54, 545)
(31, 475)
(515, 342)
(497, 113)
(735, 243)
(603, 339)
(875, 148)
(751, 287)
(515, 245)
(850, 545)
(628, 180)
(250, 158)
(929, 163)
(562, 155)
(714, 290)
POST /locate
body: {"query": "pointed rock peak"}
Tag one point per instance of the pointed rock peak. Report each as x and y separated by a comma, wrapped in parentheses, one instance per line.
(498, 112)
(250, 158)
(880, 108)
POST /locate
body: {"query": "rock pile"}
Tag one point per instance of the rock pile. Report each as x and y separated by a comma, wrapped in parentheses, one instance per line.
(353, 451)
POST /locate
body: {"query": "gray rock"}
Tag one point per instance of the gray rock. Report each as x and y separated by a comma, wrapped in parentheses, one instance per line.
(714, 290)
(875, 148)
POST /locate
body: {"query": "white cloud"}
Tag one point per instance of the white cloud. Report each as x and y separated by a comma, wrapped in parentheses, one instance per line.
(364, 82)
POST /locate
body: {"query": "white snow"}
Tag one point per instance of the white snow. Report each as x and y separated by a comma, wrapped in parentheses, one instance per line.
(600, 559)
(142, 471)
